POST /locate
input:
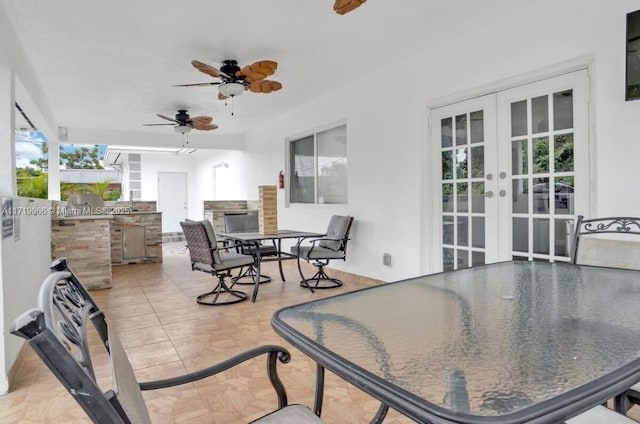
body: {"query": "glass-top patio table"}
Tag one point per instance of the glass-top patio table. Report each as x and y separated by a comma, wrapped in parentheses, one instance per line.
(277, 237)
(510, 342)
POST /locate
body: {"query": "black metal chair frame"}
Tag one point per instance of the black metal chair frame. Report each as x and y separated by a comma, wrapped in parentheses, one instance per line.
(321, 278)
(57, 332)
(203, 250)
(247, 276)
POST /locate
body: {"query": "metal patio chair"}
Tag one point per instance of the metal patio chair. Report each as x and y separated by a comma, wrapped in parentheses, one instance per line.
(207, 256)
(611, 242)
(57, 330)
(331, 246)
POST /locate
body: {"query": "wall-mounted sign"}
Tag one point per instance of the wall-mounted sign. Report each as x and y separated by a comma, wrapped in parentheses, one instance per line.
(7, 217)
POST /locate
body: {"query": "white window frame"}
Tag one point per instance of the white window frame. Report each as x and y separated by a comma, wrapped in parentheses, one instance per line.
(288, 171)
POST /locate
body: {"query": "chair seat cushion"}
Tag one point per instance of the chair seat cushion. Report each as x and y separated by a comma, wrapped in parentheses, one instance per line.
(306, 253)
(228, 260)
(292, 414)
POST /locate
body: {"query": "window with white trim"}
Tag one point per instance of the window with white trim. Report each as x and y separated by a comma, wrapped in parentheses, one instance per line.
(318, 167)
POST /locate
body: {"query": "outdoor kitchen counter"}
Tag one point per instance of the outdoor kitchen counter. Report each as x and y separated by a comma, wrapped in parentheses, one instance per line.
(93, 243)
(85, 240)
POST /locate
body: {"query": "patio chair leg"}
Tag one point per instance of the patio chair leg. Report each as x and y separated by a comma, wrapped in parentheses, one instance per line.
(229, 296)
(318, 277)
(250, 273)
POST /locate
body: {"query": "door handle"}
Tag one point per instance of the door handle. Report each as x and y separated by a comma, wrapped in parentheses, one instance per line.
(488, 194)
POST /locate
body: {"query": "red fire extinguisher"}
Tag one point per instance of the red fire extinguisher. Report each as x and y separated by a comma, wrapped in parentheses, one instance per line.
(281, 180)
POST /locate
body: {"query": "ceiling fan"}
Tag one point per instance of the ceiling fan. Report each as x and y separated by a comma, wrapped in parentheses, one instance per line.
(345, 6)
(183, 123)
(235, 80)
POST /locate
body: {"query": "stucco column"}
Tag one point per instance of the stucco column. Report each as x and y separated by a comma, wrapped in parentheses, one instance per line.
(7, 136)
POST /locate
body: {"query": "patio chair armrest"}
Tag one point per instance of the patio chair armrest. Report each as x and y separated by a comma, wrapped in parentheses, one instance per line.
(274, 353)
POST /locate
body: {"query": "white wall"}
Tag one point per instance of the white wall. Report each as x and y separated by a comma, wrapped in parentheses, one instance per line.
(231, 167)
(25, 264)
(199, 169)
(387, 120)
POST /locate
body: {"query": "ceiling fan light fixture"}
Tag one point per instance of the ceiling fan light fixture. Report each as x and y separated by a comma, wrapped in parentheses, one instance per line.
(182, 129)
(231, 89)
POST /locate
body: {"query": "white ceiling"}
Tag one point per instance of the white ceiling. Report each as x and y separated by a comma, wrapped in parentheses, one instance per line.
(111, 65)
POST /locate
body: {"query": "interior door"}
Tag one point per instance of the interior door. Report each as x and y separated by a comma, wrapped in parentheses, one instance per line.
(172, 200)
(512, 173)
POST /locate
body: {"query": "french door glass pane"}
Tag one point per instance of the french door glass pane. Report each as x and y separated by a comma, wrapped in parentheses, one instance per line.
(520, 195)
(562, 238)
(463, 231)
(463, 197)
(541, 155)
(477, 197)
(520, 234)
(563, 110)
(519, 118)
(477, 258)
(461, 163)
(541, 236)
(477, 234)
(540, 195)
(564, 196)
(519, 157)
(540, 114)
(477, 127)
(447, 165)
(477, 162)
(447, 197)
(563, 154)
(461, 130)
(446, 132)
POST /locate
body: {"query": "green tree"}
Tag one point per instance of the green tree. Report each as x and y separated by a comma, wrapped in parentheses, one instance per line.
(32, 183)
(82, 158)
(42, 163)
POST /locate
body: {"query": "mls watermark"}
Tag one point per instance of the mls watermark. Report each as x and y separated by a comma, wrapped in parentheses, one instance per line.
(65, 211)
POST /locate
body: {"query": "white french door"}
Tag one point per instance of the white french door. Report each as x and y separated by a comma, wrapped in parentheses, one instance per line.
(512, 173)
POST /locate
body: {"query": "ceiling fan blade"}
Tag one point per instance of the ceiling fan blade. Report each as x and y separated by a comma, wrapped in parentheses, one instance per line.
(206, 127)
(264, 86)
(198, 84)
(166, 117)
(258, 70)
(345, 6)
(209, 70)
(200, 120)
(153, 125)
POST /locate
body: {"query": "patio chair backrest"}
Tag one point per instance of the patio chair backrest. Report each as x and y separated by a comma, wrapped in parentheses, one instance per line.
(337, 233)
(57, 332)
(201, 242)
(608, 241)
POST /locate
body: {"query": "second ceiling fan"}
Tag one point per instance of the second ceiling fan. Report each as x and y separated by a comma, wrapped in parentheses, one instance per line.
(183, 123)
(235, 80)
